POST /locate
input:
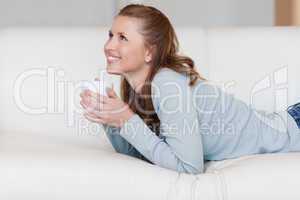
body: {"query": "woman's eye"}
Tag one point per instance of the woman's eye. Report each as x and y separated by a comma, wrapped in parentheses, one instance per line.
(122, 37)
(110, 35)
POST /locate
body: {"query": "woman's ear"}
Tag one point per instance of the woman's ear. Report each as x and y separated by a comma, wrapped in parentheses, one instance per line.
(149, 54)
(148, 59)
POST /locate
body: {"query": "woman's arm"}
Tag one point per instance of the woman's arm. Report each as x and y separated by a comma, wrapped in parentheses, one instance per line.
(120, 144)
(180, 148)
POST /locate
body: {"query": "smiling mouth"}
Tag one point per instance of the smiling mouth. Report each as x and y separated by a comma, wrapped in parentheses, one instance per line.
(113, 59)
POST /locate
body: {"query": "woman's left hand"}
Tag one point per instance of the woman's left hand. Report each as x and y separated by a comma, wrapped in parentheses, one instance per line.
(110, 110)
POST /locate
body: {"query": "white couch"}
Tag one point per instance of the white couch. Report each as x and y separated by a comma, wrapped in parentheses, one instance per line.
(47, 151)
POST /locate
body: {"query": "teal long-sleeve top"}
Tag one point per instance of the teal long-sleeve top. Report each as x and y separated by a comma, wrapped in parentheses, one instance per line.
(200, 123)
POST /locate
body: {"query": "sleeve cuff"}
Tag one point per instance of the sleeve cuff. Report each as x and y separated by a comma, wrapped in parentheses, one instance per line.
(138, 134)
(129, 128)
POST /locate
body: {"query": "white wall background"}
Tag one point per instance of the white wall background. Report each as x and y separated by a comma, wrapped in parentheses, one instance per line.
(216, 12)
(100, 12)
(56, 12)
(221, 12)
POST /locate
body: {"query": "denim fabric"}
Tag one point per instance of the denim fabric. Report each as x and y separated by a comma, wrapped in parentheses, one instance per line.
(294, 111)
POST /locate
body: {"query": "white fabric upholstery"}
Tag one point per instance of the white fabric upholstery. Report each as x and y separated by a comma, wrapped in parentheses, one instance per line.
(261, 64)
(58, 155)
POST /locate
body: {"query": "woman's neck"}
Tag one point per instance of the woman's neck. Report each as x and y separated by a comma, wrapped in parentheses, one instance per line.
(137, 79)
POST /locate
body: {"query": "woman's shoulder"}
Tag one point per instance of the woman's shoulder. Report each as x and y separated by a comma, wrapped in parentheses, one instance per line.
(168, 88)
(165, 70)
(168, 81)
(167, 74)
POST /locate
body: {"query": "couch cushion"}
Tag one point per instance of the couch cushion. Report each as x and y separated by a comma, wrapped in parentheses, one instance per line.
(258, 65)
(86, 167)
(48, 167)
(262, 176)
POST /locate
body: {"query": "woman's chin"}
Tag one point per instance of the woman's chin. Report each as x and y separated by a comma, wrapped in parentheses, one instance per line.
(113, 71)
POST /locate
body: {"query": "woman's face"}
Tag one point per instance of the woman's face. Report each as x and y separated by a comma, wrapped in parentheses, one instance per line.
(125, 49)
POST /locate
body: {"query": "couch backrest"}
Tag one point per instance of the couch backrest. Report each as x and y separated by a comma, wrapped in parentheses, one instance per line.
(41, 69)
(260, 65)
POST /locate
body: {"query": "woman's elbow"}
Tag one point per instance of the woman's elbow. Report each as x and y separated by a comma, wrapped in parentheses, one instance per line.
(192, 170)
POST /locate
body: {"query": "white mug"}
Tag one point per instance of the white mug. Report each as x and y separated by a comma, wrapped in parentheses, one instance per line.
(98, 86)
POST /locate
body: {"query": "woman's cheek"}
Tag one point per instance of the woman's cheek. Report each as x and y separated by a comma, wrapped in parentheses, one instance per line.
(126, 64)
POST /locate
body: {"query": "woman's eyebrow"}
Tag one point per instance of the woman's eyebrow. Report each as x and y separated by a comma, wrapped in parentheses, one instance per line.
(119, 33)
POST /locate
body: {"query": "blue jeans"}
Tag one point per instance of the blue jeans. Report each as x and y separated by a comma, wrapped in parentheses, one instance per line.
(294, 111)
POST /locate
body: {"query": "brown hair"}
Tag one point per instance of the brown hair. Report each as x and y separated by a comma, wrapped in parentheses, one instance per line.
(157, 31)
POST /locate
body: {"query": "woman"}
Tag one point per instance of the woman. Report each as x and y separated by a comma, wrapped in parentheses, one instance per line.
(168, 114)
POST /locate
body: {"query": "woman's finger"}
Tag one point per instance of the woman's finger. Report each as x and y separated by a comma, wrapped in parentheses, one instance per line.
(91, 101)
(89, 112)
(98, 105)
(111, 93)
(99, 113)
(85, 92)
(99, 97)
(93, 119)
(83, 104)
(86, 100)
(89, 93)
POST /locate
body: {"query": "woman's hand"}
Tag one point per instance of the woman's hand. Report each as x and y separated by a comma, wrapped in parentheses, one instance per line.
(109, 110)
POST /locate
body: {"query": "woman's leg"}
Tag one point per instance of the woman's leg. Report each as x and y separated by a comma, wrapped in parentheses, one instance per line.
(294, 127)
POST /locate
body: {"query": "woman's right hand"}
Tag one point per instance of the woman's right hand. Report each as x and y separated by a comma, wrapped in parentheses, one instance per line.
(85, 100)
(110, 109)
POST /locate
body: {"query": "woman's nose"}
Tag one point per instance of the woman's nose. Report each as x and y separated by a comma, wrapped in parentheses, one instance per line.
(110, 44)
